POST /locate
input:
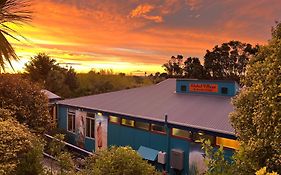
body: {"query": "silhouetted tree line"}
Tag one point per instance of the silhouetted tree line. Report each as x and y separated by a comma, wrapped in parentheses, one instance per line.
(44, 70)
(225, 62)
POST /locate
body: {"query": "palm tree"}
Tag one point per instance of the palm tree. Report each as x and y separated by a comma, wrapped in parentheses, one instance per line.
(11, 12)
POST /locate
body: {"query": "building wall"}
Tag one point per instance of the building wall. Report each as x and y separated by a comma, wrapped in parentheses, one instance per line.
(70, 137)
(121, 135)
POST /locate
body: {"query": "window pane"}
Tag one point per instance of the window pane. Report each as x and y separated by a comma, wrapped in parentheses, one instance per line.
(183, 88)
(69, 123)
(88, 129)
(90, 115)
(158, 128)
(73, 123)
(229, 143)
(93, 128)
(142, 125)
(201, 135)
(114, 119)
(71, 111)
(181, 133)
(128, 122)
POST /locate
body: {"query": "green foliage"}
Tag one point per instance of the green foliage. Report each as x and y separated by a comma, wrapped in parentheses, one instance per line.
(118, 161)
(44, 70)
(66, 163)
(263, 171)
(25, 99)
(31, 162)
(64, 159)
(66, 83)
(215, 160)
(257, 115)
(56, 145)
(96, 82)
(15, 141)
(229, 60)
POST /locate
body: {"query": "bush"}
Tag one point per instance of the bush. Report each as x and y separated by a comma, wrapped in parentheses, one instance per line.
(118, 161)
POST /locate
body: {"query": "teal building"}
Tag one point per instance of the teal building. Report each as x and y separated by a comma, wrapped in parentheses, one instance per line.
(162, 122)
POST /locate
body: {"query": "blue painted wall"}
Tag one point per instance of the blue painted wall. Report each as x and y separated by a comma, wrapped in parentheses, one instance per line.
(70, 137)
(62, 117)
(120, 135)
(232, 86)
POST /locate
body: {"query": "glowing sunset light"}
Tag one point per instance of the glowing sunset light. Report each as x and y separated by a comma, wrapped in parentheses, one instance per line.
(129, 35)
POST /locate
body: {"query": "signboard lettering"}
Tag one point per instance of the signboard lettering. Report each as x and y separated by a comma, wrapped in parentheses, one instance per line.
(203, 87)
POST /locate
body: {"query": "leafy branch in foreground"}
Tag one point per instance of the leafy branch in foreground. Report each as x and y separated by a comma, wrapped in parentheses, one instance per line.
(11, 12)
(215, 160)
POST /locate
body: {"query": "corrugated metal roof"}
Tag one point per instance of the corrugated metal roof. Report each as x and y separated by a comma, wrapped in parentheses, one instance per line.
(208, 112)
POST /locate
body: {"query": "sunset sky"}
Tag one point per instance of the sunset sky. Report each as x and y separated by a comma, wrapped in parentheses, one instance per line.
(139, 35)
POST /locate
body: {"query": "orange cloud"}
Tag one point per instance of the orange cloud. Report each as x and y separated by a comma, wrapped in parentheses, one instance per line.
(129, 35)
(143, 10)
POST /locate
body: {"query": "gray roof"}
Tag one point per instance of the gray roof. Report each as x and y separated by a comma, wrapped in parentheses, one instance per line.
(207, 112)
(50, 95)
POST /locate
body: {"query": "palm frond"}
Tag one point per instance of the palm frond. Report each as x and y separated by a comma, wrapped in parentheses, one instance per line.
(16, 12)
(7, 52)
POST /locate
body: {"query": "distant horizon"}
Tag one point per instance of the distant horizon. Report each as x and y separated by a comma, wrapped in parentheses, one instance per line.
(129, 36)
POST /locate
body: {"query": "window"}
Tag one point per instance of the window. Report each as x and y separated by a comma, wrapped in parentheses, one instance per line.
(114, 119)
(128, 122)
(142, 125)
(181, 133)
(224, 90)
(229, 143)
(90, 127)
(183, 88)
(200, 135)
(158, 128)
(71, 120)
(91, 115)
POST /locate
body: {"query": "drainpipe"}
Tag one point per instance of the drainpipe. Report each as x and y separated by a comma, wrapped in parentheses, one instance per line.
(168, 144)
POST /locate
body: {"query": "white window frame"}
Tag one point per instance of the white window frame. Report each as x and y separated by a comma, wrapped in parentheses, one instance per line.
(72, 111)
(92, 120)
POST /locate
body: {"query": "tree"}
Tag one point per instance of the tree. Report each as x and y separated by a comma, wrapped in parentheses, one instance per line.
(15, 141)
(193, 68)
(229, 60)
(44, 70)
(118, 161)
(55, 83)
(257, 115)
(27, 101)
(71, 79)
(11, 11)
(39, 68)
(174, 66)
